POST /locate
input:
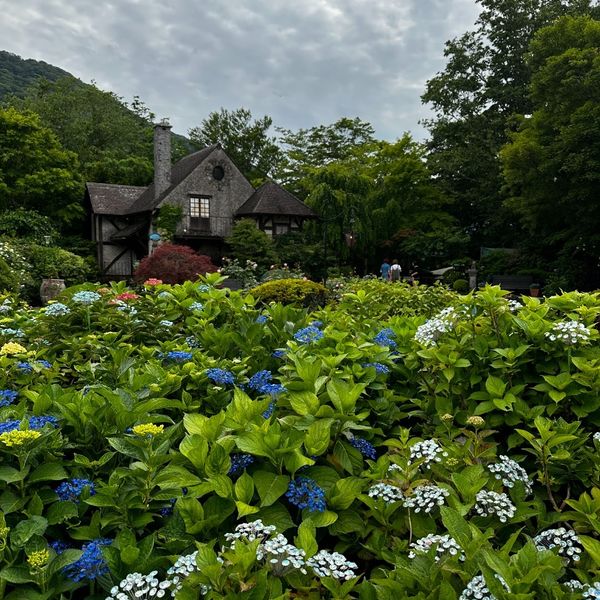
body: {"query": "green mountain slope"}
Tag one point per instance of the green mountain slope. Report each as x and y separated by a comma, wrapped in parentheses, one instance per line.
(16, 73)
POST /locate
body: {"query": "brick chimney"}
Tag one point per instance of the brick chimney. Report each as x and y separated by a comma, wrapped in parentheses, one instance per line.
(162, 157)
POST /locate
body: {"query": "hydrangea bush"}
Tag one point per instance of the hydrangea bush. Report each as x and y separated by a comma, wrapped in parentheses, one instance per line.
(258, 451)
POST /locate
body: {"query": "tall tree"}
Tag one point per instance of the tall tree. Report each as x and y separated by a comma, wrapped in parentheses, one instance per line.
(552, 164)
(36, 172)
(100, 127)
(246, 140)
(484, 83)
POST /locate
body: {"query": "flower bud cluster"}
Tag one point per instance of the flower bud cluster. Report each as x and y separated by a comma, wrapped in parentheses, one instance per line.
(428, 451)
(429, 333)
(332, 564)
(509, 471)
(569, 332)
(444, 544)
(492, 503)
(566, 540)
(388, 493)
(426, 497)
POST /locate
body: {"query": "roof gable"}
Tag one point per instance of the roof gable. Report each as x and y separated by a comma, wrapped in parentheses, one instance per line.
(113, 199)
(179, 171)
(271, 199)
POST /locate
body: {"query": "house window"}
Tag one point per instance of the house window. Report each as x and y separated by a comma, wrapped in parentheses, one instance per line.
(200, 212)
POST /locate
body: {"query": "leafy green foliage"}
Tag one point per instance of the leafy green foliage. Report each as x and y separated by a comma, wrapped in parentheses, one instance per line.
(248, 243)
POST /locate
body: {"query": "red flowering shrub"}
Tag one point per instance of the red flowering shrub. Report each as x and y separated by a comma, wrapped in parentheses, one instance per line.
(174, 264)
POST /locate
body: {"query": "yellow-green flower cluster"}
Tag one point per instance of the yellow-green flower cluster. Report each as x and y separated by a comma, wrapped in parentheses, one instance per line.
(11, 348)
(38, 559)
(147, 429)
(18, 437)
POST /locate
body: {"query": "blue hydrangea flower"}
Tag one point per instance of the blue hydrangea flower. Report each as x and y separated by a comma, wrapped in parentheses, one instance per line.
(25, 367)
(270, 410)
(384, 338)
(41, 421)
(196, 306)
(380, 368)
(164, 294)
(220, 376)
(167, 511)
(44, 364)
(59, 546)
(364, 447)
(272, 389)
(308, 335)
(166, 323)
(203, 287)
(179, 356)
(9, 426)
(86, 297)
(91, 564)
(261, 319)
(192, 342)
(304, 492)
(58, 309)
(13, 333)
(259, 379)
(72, 490)
(317, 324)
(239, 462)
(7, 397)
(278, 353)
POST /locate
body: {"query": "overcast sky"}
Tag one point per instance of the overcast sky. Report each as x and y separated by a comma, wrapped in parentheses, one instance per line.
(304, 63)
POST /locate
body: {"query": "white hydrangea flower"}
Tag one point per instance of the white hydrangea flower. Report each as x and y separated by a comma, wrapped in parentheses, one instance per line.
(429, 451)
(249, 532)
(514, 305)
(568, 332)
(388, 493)
(509, 472)
(332, 564)
(597, 436)
(425, 498)
(183, 567)
(574, 585)
(139, 587)
(592, 591)
(444, 544)
(428, 333)
(281, 556)
(566, 540)
(477, 589)
(491, 503)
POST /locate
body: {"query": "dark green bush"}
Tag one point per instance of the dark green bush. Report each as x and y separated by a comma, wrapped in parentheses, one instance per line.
(9, 281)
(461, 286)
(291, 291)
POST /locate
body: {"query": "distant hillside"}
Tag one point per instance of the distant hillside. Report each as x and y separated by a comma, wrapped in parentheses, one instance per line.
(16, 73)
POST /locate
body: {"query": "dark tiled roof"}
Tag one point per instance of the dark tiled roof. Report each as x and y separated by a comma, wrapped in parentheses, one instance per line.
(272, 199)
(111, 199)
(180, 170)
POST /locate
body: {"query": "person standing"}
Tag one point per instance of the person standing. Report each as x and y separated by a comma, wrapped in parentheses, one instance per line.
(395, 271)
(385, 269)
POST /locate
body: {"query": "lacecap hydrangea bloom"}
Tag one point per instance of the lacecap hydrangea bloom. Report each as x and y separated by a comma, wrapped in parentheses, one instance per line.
(255, 530)
(426, 498)
(139, 587)
(565, 540)
(592, 591)
(86, 297)
(380, 368)
(178, 356)
(332, 564)
(492, 503)
(12, 333)
(364, 447)
(261, 382)
(509, 472)
(304, 492)
(385, 338)
(429, 333)
(427, 451)
(281, 556)
(386, 492)
(165, 323)
(239, 462)
(477, 589)
(444, 545)
(568, 332)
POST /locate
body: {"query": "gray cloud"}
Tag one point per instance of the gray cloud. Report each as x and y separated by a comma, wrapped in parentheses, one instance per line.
(303, 63)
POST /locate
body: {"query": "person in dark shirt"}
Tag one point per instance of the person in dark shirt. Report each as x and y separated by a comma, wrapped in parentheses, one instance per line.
(385, 269)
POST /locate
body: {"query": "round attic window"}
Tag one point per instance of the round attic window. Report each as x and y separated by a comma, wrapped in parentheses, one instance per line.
(218, 173)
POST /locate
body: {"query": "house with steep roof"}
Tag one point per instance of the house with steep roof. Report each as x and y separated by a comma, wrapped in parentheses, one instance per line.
(212, 193)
